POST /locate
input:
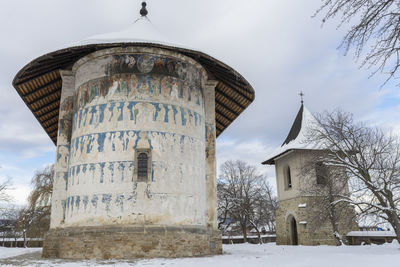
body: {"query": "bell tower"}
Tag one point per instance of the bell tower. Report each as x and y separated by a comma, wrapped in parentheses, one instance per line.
(304, 186)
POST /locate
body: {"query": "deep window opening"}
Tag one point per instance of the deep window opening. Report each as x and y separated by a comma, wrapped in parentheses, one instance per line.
(143, 159)
(288, 178)
(321, 173)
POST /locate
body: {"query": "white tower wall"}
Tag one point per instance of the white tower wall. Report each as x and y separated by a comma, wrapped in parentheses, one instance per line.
(130, 99)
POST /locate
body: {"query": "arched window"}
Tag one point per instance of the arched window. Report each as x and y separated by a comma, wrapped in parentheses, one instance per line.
(288, 178)
(143, 164)
(321, 173)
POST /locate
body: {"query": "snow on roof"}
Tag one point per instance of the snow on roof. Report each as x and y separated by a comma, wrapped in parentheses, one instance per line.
(297, 137)
(141, 31)
(372, 233)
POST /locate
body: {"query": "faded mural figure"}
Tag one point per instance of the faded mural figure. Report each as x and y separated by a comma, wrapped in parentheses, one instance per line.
(113, 89)
(130, 61)
(133, 85)
(181, 70)
(119, 147)
(145, 63)
(174, 90)
(62, 156)
(65, 127)
(67, 104)
(161, 114)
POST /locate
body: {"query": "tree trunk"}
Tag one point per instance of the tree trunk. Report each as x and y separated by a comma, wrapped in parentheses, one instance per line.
(258, 232)
(397, 231)
(334, 222)
(395, 222)
(244, 231)
(259, 237)
(24, 238)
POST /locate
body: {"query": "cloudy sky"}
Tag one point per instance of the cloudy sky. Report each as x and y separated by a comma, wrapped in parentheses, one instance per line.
(276, 45)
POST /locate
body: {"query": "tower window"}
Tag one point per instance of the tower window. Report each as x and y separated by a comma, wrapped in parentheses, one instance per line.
(321, 173)
(143, 164)
(288, 178)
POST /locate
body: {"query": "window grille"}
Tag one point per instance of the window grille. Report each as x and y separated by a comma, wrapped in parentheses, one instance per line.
(143, 164)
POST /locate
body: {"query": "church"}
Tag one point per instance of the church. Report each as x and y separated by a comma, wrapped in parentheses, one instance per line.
(135, 118)
(304, 215)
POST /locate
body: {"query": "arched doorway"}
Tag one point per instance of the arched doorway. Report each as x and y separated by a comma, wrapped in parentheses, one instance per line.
(294, 240)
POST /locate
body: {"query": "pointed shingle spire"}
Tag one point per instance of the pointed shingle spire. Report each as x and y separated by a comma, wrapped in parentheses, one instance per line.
(296, 127)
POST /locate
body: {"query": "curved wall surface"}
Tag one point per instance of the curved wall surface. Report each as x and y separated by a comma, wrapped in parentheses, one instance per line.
(135, 167)
(125, 101)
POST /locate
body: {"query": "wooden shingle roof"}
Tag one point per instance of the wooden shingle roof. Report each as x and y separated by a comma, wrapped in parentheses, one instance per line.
(39, 84)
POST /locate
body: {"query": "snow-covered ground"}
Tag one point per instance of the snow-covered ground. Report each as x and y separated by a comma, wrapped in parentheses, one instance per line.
(12, 252)
(238, 255)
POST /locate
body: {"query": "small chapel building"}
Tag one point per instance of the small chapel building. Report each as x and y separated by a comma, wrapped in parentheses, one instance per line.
(298, 204)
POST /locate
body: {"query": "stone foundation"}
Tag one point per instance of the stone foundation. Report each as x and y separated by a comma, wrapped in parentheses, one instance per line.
(309, 234)
(127, 242)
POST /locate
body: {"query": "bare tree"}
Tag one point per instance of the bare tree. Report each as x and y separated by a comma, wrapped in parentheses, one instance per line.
(263, 211)
(4, 187)
(35, 219)
(241, 194)
(224, 206)
(370, 159)
(376, 28)
(269, 208)
(9, 215)
(326, 184)
(42, 183)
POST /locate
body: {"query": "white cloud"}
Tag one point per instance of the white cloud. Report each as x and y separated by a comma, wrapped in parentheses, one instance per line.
(253, 152)
(20, 194)
(275, 45)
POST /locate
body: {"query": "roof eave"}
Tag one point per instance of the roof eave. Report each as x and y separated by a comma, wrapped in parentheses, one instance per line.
(271, 161)
(64, 58)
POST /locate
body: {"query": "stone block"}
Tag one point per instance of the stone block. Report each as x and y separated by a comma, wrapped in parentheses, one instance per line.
(112, 242)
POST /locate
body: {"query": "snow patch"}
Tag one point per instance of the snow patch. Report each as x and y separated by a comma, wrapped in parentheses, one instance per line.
(372, 233)
(248, 255)
(141, 31)
(12, 252)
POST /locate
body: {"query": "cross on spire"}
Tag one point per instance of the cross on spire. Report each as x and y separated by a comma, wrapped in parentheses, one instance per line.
(301, 94)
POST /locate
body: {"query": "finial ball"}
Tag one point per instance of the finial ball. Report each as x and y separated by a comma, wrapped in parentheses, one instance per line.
(143, 11)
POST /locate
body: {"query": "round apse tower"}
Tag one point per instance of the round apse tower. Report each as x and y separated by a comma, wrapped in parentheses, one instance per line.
(135, 121)
(138, 126)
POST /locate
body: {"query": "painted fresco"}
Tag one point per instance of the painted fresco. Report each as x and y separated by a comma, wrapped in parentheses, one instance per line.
(65, 123)
(89, 146)
(128, 76)
(94, 117)
(164, 66)
(142, 101)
